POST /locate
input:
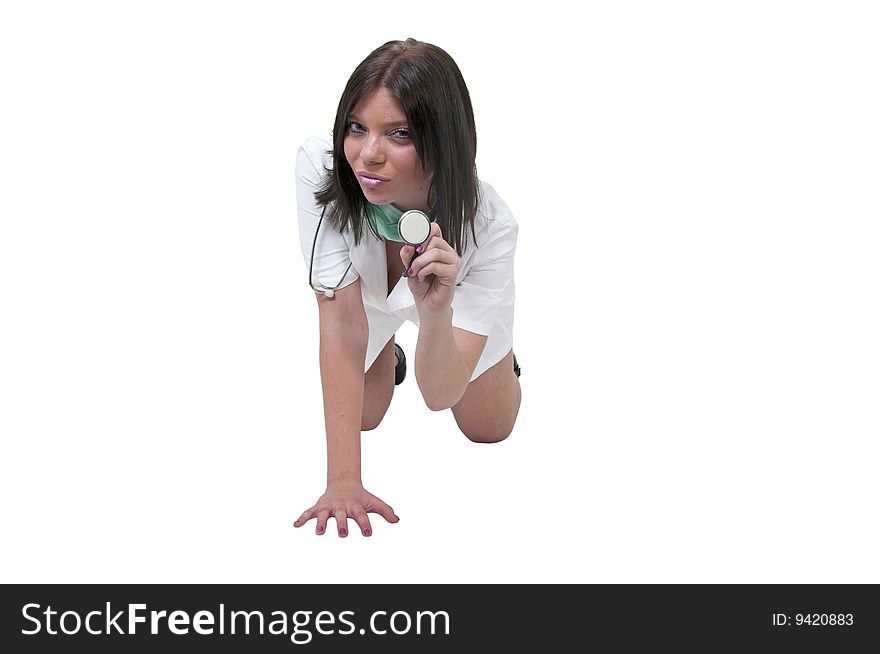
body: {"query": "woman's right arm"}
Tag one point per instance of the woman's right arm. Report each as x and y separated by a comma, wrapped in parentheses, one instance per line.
(343, 348)
(343, 345)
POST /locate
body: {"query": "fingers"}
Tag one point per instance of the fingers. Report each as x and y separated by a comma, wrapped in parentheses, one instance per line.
(441, 271)
(321, 515)
(321, 526)
(435, 239)
(362, 519)
(445, 254)
(341, 509)
(341, 522)
(378, 506)
(305, 517)
(406, 254)
(433, 249)
(438, 262)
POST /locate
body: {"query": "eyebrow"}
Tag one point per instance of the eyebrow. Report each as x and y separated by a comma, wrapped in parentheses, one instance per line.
(392, 123)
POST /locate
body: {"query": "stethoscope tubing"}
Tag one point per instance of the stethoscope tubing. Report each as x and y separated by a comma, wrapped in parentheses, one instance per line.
(328, 292)
(422, 226)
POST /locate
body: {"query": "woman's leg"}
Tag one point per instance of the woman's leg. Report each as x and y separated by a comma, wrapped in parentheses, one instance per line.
(488, 409)
(378, 387)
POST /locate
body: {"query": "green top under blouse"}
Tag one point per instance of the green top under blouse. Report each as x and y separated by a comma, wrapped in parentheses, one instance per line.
(385, 218)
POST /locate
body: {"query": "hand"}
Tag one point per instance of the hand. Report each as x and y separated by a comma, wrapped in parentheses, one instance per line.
(345, 500)
(434, 272)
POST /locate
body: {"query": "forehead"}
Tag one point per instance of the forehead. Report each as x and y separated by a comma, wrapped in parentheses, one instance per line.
(380, 106)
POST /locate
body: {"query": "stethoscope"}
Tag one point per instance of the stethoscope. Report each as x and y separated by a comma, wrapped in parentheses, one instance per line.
(413, 227)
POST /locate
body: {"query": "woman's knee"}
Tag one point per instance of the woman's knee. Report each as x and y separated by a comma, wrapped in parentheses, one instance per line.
(488, 410)
(378, 388)
(486, 435)
(369, 423)
(483, 430)
(375, 406)
(375, 409)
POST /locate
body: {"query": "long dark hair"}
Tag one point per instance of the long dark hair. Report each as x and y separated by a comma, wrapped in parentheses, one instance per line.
(428, 84)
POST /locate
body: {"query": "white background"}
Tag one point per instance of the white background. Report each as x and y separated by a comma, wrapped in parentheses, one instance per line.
(697, 296)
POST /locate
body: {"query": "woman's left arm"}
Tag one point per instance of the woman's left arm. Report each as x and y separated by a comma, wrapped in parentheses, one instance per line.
(445, 356)
(445, 360)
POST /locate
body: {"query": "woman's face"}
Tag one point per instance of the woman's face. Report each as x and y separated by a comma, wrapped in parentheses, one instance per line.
(378, 142)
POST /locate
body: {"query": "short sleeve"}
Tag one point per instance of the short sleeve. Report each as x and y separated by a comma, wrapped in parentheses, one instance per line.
(480, 293)
(332, 265)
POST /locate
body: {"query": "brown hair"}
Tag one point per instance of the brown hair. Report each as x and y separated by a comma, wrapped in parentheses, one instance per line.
(429, 86)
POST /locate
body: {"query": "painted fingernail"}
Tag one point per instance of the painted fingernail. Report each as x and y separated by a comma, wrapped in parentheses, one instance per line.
(343, 532)
(409, 271)
(320, 530)
(420, 248)
(367, 532)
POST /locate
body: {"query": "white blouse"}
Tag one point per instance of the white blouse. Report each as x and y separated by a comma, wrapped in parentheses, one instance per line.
(484, 293)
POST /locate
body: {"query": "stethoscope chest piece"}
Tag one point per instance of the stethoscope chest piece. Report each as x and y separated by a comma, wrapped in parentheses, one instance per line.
(414, 227)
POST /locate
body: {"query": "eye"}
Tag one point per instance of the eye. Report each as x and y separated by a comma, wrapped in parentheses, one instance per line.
(401, 133)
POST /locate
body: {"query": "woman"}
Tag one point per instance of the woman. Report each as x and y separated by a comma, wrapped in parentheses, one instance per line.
(404, 138)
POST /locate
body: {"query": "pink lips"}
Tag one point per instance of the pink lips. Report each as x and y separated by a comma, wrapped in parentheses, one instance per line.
(371, 182)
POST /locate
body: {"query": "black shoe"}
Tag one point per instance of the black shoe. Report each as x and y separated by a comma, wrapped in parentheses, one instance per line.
(400, 368)
(515, 366)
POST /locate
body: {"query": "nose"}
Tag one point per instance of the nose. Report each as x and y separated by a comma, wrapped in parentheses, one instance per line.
(372, 152)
